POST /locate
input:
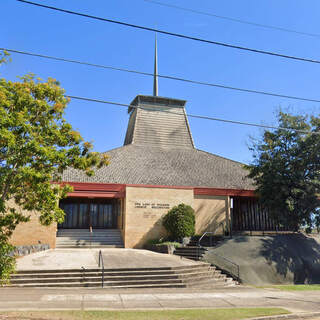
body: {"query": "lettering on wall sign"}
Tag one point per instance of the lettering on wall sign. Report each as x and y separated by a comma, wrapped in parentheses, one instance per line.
(151, 205)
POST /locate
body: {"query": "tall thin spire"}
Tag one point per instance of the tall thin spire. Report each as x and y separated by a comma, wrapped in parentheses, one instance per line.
(155, 73)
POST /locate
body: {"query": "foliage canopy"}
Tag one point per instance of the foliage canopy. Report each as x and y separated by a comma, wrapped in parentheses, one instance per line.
(286, 171)
(36, 145)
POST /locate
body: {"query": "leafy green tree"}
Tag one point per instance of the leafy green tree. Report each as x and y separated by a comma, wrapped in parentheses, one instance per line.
(286, 171)
(36, 145)
(180, 221)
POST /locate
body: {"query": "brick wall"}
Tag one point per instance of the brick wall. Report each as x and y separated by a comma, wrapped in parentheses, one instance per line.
(144, 210)
(32, 232)
(211, 213)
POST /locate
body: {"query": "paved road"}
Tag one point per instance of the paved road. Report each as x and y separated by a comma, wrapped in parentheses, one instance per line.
(14, 299)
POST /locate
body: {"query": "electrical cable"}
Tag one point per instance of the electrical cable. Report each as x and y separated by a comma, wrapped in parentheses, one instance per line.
(163, 76)
(192, 115)
(233, 19)
(178, 35)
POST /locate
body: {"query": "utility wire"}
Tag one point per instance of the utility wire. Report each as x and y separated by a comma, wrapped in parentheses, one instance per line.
(192, 115)
(233, 19)
(178, 35)
(163, 76)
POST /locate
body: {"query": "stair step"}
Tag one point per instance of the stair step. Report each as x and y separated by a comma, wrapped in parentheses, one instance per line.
(90, 239)
(107, 282)
(83, 238)
(99, 284)
(113, 272)
(73, 277)
(116, 280)
(166, 277)
(188, 254)
(94, 231)
(156, 269)
(88, 246)
(97, 279)
(88, 243)
(88, 233)
(191, 250)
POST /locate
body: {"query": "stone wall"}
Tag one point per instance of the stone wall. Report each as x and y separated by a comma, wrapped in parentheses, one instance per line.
(32, 232)
(211, 213)
(144, 210)
(25, 250)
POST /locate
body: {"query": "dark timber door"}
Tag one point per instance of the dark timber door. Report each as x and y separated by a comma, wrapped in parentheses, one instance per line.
(83, 214)
(248, 215)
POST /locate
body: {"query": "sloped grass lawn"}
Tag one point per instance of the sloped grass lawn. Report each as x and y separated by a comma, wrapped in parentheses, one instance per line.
(183, 314)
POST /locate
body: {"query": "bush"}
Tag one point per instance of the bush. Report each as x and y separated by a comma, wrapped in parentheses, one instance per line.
(7, 262)
(180, 222)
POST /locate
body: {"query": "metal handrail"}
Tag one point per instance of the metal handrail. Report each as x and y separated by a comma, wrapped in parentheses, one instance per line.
(233, 263)
(101, 263)
(218, 255)
(203, 236)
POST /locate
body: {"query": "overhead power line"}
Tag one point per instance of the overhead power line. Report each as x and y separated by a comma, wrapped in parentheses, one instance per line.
(192, 115)
(233, 19)
(163, 76)
(179, 35)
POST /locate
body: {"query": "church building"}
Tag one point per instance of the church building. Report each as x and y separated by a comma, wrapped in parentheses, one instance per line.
(157, 167)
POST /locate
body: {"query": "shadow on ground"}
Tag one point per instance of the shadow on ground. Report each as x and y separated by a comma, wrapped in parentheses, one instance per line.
(278, 259)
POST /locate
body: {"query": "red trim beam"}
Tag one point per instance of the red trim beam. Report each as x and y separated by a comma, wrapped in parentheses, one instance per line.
(113, 190)
(224, 192)
(96, 190)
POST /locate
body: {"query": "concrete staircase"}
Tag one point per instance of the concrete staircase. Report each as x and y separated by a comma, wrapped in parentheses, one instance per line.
(83, 238)
(199, 253)
(162, 277)
(191, 252)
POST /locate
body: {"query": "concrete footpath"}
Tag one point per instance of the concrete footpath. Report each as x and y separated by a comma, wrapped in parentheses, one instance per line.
(18, 299)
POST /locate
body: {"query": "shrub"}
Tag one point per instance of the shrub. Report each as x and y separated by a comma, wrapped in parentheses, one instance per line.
(7, 262)
(180, 222)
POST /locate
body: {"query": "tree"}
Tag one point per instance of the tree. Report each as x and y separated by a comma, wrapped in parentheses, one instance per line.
(36, 145)
(286, 171)
(180, 221)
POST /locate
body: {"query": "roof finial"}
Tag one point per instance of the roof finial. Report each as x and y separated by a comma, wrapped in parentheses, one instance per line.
(155, 74)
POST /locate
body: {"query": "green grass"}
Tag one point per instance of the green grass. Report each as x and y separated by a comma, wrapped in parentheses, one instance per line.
(183, 314)
(298, 287)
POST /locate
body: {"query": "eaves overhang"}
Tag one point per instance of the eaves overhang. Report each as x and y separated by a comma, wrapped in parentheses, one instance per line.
(113, 190)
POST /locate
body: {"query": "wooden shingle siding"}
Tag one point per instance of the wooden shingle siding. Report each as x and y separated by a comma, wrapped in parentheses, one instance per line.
(162, 125)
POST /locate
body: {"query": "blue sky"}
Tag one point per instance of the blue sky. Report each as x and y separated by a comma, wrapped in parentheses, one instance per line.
(27, 28)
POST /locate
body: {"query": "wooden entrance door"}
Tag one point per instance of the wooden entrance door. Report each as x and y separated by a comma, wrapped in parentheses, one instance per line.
(83, 214)
(248, 215)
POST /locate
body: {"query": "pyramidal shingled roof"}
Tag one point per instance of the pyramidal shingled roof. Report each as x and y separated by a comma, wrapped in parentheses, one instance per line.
(158, 121)
(159, 150)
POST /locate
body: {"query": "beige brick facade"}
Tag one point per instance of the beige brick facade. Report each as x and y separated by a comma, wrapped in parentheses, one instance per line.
(144, 210)
(211, 213)
(32, 232)
(141, 215)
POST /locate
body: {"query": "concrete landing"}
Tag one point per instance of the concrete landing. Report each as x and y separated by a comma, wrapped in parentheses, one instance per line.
(55, 259)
